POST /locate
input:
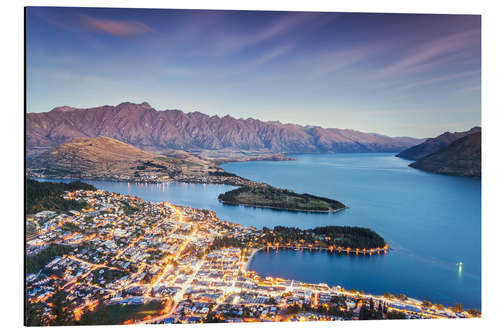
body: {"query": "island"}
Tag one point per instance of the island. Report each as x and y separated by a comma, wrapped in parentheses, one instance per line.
(266, 196)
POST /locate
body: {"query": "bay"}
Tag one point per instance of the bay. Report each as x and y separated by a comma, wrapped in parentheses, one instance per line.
(432, 222)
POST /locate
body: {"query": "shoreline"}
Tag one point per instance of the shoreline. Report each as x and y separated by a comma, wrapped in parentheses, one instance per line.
(314, 286)
(412, 301)
(341, 251)
(38, 177)
(126, 181)
(284, 209)
(250, 258)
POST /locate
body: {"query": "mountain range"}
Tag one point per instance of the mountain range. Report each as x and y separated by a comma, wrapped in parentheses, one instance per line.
(433, 145)
(160, 131)
(460, 158)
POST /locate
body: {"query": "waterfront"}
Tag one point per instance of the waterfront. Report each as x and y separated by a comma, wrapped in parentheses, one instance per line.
(432, 222)
(121, 250)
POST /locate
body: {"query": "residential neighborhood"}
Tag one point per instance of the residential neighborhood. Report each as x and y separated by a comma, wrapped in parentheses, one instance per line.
(122, 250)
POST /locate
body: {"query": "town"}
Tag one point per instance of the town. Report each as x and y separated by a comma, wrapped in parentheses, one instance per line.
(155, 263)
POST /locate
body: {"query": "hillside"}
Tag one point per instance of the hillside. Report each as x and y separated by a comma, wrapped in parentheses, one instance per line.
(109, 159)
(434, 144)
(48, 196)
(159, 131)
(460, 158)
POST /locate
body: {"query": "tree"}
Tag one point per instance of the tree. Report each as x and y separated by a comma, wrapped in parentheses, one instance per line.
(63, 315)
(48, 196)
(395, 315)
(212, 318)
(458, 307)
(306, 306)
(295, 308)
(426, 303)
(34, 315)
(474, 312)
(364, 313)
(37, 262)
(368, 312)
(380, 311)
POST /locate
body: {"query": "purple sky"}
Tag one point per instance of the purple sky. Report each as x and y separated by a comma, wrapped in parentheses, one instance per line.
(395, 74)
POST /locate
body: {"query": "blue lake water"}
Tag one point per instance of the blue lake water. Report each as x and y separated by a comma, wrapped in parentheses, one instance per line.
(431, 222)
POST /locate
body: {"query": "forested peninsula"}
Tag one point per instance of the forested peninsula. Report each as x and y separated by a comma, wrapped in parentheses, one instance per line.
(266, 196)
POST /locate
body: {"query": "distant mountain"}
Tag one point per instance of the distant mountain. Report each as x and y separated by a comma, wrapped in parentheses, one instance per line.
(106, 158)
(159, 131)
(434, 144)
(461, 158)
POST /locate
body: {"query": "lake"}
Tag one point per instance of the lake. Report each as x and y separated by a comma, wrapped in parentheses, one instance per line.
(432, 222)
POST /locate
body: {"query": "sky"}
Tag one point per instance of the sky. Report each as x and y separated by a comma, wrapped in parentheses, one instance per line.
(393, 74)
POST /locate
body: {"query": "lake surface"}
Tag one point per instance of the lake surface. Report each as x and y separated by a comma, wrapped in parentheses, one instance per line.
(431, 222)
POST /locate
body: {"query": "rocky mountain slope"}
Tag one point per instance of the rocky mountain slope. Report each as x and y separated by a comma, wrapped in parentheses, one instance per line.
(159, 131)
(432, 145)
(461, 158)
(110, 159)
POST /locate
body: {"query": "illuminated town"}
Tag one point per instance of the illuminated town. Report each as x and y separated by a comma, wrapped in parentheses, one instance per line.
(124, 251)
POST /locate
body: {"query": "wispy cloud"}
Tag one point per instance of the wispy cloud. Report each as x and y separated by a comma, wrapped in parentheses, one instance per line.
(442, 78)
(117, 28)
(227, 42)
(335, 61)
(66, 76)
(430, 53)
(331, 61)
(468, 87)
(277, 52)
